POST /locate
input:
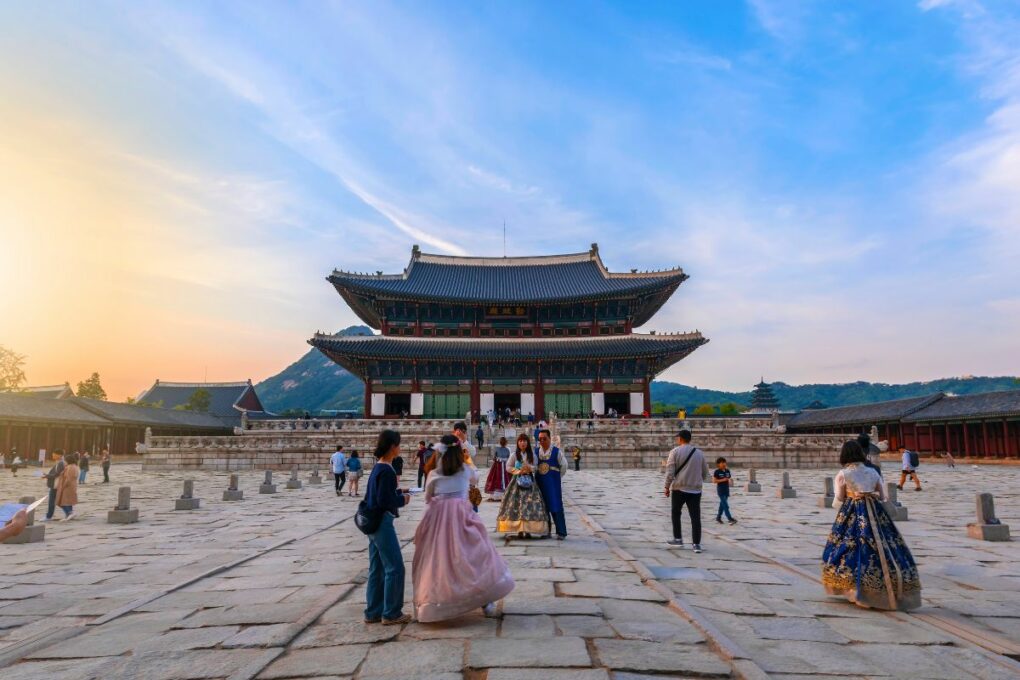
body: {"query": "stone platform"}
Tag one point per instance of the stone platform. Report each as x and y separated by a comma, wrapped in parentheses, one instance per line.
(273, 588)
(618, 444)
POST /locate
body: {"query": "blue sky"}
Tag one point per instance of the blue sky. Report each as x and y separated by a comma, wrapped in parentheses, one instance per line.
(840, 180)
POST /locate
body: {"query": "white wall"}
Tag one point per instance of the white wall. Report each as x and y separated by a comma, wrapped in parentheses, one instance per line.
(378, 404)
(417, 403)
(487, 402)
(637, 403)
(527, 403)
(598, 403)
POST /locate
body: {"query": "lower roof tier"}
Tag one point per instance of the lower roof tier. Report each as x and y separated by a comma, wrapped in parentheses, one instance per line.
(353, 352)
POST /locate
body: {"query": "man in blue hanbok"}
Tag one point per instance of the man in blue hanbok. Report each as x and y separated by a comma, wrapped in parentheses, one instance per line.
(551, 466)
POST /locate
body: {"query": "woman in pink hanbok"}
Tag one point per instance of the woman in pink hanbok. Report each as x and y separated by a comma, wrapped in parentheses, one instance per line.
(456, 567)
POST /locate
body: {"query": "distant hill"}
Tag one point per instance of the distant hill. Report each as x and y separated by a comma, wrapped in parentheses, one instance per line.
(314, 383)
(796, 397)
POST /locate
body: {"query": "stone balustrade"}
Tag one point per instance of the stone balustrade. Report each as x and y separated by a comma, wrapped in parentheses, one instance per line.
(641, 443)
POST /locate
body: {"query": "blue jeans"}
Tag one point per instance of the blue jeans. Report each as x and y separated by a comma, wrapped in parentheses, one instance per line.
(81, 476)
(68, 509)
(724, 507)
(385, 588)
(51, 507)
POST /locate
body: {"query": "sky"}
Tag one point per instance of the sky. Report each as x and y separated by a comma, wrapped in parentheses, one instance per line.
(841, 181)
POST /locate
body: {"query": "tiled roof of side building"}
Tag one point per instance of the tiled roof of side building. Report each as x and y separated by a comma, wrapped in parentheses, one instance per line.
(554, 278)
(50, 391)
(375, 347)
(223, 396)
(1005, 404)
(144, 415)
(867, 414)
(24, 407)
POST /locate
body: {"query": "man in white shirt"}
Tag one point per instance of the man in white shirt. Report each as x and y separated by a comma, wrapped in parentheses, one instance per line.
(338, 463)
(909, 470)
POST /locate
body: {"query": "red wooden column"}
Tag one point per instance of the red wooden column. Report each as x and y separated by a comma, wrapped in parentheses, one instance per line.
(948, 445)
(476, 397)
(1005, 437)
(368, 398)
(648, 394)
(966, 440)
(984, 439)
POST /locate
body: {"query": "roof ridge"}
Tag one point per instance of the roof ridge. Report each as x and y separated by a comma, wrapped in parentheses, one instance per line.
(163, 383)
(688, 335)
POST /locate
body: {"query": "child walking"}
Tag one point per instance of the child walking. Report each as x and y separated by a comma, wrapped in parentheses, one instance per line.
(723, 479)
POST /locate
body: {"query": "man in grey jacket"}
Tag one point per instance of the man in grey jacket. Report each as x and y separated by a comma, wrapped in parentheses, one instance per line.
(686, 471)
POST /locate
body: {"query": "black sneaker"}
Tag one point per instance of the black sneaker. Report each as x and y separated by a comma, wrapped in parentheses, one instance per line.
(733, 521)
(900, 487)
(697, 547)
(719, 520)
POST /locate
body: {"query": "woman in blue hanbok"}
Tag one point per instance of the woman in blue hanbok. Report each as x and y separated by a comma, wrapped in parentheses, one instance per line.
(865, 559)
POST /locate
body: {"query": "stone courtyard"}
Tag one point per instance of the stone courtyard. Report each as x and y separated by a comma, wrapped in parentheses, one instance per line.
(271, 587)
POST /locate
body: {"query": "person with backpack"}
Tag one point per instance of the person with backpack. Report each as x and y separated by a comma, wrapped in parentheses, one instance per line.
(686, 471)
(910, 463)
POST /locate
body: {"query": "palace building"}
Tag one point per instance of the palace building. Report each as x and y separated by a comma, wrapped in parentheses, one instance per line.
(539, 334)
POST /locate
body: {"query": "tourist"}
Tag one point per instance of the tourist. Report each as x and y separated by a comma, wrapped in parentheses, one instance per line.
(422, 456)
(480, 436)
(398, 465)
(865, 558)
(15, 525)
(723, 479)
(67, 486)
(354, 473)
(522, 511)
(552, 465)
(385, 586)
(460, 432)
(910, 462)
(338, 464)
(686, 470)
(456, 568)
(577, 459)
(51, 482)
(531, 418)
(104, 460)
(950, 461)
(83, 465)
(15, 463)
(591, 425)
(499, 476)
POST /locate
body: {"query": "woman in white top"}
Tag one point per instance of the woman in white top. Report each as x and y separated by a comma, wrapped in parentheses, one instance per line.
(865, 558)
(456, 568)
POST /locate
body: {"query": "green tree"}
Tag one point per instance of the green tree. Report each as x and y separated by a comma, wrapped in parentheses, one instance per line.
(91, 388)
(731, 408)
(200, 401)
(705, 410)
(12, 375)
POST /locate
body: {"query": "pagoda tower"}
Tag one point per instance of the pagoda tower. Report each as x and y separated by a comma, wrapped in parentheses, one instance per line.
(536, 334)
(763, 400)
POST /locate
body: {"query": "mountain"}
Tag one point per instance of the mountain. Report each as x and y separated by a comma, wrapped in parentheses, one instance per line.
(796, 397)
(313, 383)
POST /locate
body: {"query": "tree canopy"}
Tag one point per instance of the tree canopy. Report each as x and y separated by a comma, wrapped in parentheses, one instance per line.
(91, 388)
(200, 401)
(12, 375)
(705, 410)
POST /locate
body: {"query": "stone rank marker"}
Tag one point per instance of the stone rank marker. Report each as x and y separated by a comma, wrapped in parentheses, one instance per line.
(896, 510)
(752, 485)
(987, 527)
(123, 513)
(786, 491)
(314, 479)
(33, 533)
(187, 501)
(267, 485)
(828, 494)
(293, 482)
(233, 493)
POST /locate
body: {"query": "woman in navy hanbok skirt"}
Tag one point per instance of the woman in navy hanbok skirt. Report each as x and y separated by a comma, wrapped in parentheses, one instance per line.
(865, 559)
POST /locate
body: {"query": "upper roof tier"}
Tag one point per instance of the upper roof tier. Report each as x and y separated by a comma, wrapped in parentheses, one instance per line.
(480, 280)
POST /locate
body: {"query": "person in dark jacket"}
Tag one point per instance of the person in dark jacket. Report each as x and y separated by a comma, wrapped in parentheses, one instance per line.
(385, 587)
(51, 482)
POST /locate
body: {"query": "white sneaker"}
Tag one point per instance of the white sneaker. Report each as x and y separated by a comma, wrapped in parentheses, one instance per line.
(489, 610)
(69, 517)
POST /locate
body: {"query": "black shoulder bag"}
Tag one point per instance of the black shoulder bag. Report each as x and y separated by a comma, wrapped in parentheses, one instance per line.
(682, 466)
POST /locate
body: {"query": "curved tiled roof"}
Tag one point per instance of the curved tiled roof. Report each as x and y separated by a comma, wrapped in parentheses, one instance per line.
(378, 347)
(1005, 404)
(545, 279)
(878, 412)
(224, 397)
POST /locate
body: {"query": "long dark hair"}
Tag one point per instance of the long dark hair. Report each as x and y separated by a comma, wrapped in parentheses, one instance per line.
(387, 440)
(851, 453)
(453, 458)
(531, 454)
